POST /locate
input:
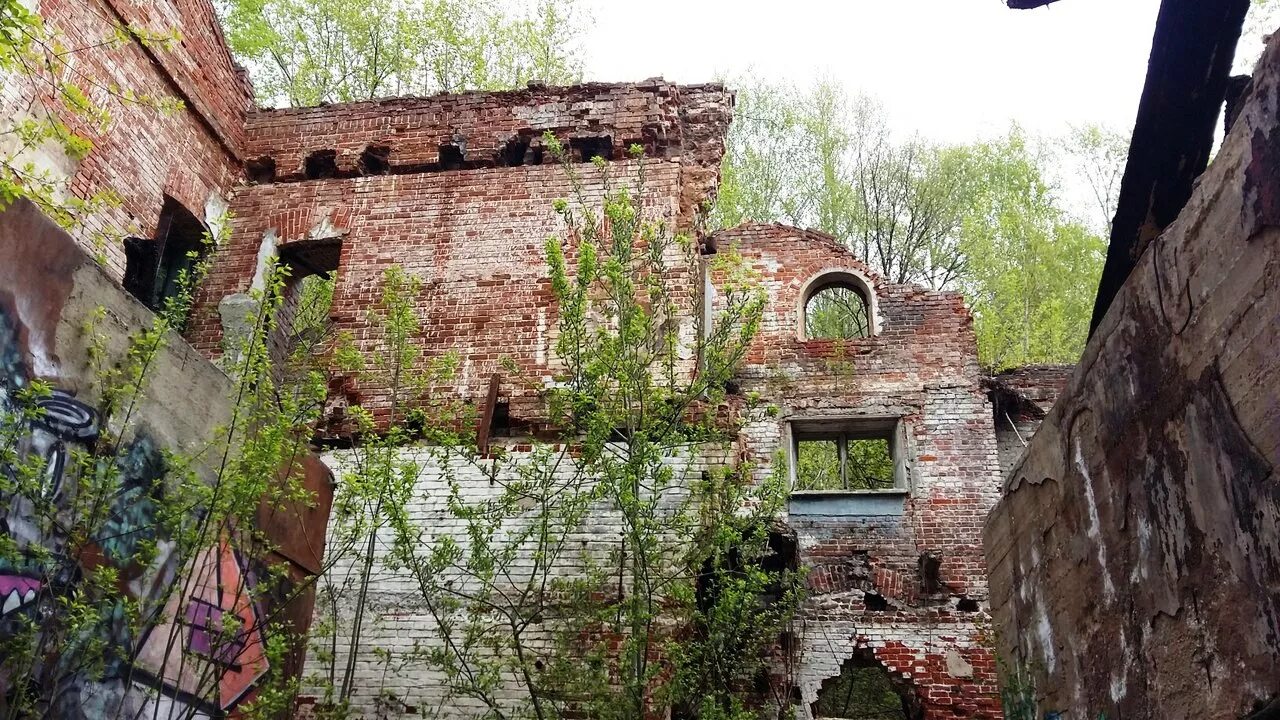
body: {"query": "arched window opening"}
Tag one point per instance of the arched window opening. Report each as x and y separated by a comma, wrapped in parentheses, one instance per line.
(866, 690)
(839, 311)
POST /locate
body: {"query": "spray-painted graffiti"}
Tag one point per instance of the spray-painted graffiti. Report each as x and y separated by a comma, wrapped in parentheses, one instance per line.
(183, 639)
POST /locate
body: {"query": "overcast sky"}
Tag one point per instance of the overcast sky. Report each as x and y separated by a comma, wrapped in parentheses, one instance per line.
(955, 70)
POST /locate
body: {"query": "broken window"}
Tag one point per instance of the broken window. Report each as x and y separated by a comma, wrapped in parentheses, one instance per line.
(837, 311)
(866, 690)
(847, 455)
(157, 269)
(303, 325)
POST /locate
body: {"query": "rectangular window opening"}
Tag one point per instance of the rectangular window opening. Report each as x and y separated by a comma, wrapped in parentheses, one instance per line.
(848, 455)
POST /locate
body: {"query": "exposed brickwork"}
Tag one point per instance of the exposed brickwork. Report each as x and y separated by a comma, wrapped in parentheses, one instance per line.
(1020, 399)
(143, 154)
(474, 238)
(920, 366)
(684, 123)
(459, 194)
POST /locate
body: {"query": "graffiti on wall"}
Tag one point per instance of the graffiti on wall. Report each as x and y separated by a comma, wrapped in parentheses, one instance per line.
(184, 639)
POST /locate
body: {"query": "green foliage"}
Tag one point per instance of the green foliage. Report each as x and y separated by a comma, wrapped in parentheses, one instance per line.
(983, 218)
(1033, 271)
(837, 312)
(868, 465)
(670, 613)
(301, 52)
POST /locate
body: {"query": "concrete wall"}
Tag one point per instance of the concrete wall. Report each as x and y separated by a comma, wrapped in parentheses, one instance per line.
(49, 292)
(1135, 553)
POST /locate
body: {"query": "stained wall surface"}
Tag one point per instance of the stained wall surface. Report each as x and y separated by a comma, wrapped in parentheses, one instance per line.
(141, 155)
(63, 321)
(865, 552)
(1135, 553)
(473, 233)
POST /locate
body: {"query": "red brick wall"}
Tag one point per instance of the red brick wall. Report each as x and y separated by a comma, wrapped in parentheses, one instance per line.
(921, 365)
(143, 154)
(474, 238)
(686, 123)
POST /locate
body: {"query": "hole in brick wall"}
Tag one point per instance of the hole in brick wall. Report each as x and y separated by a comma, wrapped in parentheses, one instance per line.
(156, 269)
(865, 688)
(930, 567)
(514, 152)
(967, 605)
(451, 157)
(375, 160)
(501, 424)
(261, 170)
(321, 164)
(875, 602)
(303, 322)
(586, 149)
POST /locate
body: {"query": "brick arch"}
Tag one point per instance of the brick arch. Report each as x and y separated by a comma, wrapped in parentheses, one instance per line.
(839, 276)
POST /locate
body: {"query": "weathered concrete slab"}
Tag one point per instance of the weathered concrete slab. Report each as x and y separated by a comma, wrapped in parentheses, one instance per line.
(1135, 555)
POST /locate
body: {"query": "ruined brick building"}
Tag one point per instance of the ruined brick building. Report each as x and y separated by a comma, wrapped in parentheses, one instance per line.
(458, 191)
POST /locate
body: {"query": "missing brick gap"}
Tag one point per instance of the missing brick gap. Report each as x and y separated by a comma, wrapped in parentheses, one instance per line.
(261, 170)
(875, 602)
(586, 149)
(375, 160)
(515, 152)
(451, 157)
(967, 605)
(321, 164)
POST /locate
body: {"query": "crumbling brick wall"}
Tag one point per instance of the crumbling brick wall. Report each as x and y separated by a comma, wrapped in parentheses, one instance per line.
(1020, 399)
(192, 155)
(473, 234)
(920, 366)
(1133, 554)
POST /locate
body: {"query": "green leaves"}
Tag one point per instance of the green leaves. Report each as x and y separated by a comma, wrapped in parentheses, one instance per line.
(304, 52)
(983, 218)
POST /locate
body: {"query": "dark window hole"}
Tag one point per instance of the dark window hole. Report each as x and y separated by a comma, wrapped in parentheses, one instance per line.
(930, 566)
(451, 157)
(515, 152)
(967, 605)
(321, 164)
(375, 160)
(586, 149)
(261, 170)
(875, 602)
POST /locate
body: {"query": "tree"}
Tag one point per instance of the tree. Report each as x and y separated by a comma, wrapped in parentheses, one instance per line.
(815, 159)
(1098, 155)
(675, 609)
(302, 53)
(982, 218)
(1032, 271)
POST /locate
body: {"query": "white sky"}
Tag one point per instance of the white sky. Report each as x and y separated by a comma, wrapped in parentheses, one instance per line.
(955, 70)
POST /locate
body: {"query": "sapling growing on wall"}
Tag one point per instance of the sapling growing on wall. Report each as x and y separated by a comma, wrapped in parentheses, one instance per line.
(679, 606)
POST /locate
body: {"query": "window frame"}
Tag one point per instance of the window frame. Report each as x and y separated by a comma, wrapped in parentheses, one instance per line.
(842, 430)
(838, 277)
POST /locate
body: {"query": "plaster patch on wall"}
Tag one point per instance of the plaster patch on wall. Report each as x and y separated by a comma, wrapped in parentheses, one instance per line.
(266, 251)
(1095, 521)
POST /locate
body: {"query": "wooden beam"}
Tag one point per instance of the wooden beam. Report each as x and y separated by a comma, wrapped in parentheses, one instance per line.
(485, 426)
(1187, 76)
